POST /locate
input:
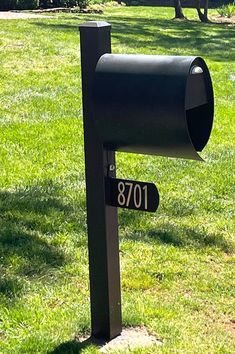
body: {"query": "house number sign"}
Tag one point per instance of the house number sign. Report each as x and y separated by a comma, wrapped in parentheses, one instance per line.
(132, 194)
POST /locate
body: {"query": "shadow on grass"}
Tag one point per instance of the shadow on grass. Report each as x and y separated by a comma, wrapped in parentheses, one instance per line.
(32, 219)
(75, 347)
(188, 37)
(169, 233)
(29, 220)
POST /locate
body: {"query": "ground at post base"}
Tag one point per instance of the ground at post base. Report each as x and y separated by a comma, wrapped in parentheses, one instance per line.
(130, 338)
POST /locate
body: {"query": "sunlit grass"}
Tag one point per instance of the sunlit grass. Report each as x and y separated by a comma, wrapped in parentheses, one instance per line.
(177, 265)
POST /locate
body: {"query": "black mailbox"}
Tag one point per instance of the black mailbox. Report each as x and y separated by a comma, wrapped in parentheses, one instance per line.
(161, 105)
(146, 104)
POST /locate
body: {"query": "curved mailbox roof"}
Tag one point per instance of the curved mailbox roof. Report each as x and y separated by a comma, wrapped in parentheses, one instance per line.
(150, 104)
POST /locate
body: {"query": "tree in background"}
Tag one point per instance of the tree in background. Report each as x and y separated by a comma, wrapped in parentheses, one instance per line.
(203, 16)
(178, 9)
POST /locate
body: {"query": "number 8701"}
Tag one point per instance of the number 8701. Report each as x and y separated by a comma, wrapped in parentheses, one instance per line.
(128, 192)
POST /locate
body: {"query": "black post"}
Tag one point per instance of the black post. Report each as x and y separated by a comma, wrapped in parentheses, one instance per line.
(102, 220)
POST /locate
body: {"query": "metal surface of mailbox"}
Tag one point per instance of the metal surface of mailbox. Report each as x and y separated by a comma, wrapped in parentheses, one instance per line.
(153, 104)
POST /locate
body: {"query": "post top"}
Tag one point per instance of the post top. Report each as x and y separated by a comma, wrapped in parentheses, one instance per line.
(95, 24)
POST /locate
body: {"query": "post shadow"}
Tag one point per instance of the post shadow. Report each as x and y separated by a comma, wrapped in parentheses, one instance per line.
(76, 347)
(30, 217)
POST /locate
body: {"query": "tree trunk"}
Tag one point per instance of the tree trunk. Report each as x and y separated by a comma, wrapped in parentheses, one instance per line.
(206, 9)
(178, 9)
(203, 16)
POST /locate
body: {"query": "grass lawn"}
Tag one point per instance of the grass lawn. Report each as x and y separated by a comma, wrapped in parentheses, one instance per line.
(177, 265)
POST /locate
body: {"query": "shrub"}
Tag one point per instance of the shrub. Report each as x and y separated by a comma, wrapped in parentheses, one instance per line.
(227, 10)
(64, 3)
(7, 5)
(18, 4)
(83, 3)
(230, 10)
(134, 2)
(27, 4)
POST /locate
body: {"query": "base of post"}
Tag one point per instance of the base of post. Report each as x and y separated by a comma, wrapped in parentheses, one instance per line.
(130, 338)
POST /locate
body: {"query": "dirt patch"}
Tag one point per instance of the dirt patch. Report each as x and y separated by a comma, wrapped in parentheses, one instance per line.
(10, 15)
(230, 327)
(224, 20)
(130, 338)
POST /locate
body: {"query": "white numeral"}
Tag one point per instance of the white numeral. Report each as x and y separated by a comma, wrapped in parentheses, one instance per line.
(121, 196)
(137, 195)
(129, 192)
(145, 189)
(139, 198)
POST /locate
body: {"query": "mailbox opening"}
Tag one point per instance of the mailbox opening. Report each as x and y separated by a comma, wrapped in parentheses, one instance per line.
(199, 104)
(199, 125)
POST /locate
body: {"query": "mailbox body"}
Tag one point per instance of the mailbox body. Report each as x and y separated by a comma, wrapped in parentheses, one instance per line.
(153, 104)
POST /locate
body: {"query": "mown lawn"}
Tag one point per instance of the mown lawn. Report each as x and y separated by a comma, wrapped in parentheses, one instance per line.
(177, 265)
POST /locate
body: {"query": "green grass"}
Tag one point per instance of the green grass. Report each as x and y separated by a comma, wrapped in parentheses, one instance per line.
(177, 265)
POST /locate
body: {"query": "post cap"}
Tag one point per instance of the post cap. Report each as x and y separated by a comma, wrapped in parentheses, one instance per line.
(94, 24)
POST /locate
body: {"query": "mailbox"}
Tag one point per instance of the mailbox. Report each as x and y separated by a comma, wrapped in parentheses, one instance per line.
(153, 104)
(148, 104)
